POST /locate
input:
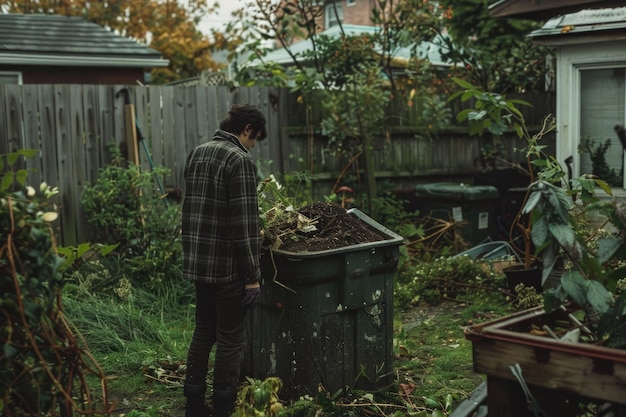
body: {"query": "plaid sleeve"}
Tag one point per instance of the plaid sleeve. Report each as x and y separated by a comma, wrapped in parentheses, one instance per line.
(245, 226)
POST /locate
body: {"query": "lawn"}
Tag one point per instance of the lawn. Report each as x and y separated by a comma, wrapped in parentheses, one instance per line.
(140, 342)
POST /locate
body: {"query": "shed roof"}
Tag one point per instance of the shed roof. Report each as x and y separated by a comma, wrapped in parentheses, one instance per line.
(543, 10)
(583, 26)
(36, 39)
(425, 50)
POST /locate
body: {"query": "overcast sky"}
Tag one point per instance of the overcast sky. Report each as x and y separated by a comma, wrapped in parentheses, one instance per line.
(223, 16)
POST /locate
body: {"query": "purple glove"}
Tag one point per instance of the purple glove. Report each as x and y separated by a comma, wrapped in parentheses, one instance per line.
(250, 297)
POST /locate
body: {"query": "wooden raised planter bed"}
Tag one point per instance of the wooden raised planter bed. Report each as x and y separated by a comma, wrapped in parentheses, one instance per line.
(555, 371)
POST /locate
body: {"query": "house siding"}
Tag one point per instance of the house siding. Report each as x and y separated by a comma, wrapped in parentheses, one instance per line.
(76, 75)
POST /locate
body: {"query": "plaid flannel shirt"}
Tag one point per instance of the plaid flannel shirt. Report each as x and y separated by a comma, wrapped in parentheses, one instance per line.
(220, 222)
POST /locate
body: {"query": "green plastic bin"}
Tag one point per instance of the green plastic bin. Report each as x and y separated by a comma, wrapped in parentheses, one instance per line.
(475, 204)
(326, 318)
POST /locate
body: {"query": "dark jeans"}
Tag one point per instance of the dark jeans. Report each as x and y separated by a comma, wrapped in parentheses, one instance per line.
(220, 321)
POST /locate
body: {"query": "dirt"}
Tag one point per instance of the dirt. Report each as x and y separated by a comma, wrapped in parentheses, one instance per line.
(334, 228)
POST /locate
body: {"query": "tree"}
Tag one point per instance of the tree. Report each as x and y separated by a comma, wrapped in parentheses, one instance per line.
(496, 53)
(349, 79)
(170, 27)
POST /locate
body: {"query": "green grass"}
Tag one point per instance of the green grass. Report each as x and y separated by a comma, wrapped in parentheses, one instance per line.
(435, 357)
(141, 340)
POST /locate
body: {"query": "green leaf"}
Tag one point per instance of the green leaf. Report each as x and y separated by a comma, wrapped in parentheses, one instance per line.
(564, 235)
(7, 181)
(463, 84)
(575, 286)
(476, 115)
(607, 247)
(532, 201)
(539, 232)
(9, 351)
(21, 176)
(604, 186)
(430, 403)
(497, 128)
(599, 297)
(463, 115)
(553, 298)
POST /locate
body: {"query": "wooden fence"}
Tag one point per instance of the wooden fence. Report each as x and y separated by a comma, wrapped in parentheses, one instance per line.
(73, 125)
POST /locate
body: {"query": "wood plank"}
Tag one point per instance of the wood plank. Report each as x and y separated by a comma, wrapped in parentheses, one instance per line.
(63, 135)
(14, 112)
(155, 137)
(78, 170)
(91, 134)
(192, 137)
(170, 136)
(142, 119)
(119, 128)
(203, 129)
(31, 134)
(106, 123)
(180, 149)
(553, 369)
(5, 147)
(47, 125)
(213, 115)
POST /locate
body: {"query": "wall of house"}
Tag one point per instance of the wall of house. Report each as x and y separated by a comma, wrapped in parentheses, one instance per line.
(357, 13)
(76, 75)
(571, 61)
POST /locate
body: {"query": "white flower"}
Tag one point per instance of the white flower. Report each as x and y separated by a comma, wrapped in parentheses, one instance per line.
(30, 191)
(50, 216)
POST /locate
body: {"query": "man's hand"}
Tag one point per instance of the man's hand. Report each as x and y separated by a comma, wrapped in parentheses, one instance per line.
(251, 294)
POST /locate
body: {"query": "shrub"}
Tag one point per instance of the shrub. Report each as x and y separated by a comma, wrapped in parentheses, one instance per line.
(43, 364)
(443, 277)
(127, 208)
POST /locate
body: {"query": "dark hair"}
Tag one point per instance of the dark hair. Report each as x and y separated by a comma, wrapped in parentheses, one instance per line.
(241, 115)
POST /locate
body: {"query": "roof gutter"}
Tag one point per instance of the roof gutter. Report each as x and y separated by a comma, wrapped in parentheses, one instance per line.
(82, 61)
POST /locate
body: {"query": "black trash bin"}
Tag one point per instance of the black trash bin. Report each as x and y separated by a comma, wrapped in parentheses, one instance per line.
(475, 204)
(326, 318)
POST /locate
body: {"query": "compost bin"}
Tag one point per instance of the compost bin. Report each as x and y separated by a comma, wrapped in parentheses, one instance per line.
(326, 317)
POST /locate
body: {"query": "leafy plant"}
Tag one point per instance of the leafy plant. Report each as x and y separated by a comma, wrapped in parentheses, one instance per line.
(258, 398)
(494, 113)
(446, 277)
(593, 262)
(128, 210)
(346, 82)
(599, 165)
(43, 364)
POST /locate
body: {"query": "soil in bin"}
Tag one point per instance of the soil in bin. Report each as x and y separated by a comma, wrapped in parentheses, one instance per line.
(335, 228)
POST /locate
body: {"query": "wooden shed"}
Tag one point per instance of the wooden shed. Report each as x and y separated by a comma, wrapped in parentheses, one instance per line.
(53, 49)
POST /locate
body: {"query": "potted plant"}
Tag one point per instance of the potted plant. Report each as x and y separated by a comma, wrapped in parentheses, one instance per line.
(578, 225)
(494, 113)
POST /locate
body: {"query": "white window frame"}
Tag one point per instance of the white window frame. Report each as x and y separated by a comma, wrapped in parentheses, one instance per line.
(330, 18)
(16, 74)
(571, 61)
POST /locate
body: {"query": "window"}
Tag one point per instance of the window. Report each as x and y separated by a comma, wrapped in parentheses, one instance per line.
(602, 108)
(10, 77)
(333, 14)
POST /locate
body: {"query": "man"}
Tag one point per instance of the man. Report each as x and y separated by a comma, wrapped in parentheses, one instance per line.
(221, 248)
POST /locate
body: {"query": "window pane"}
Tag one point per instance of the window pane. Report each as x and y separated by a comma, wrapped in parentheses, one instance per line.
(332, 18)
(601, 109)
(10, 78)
